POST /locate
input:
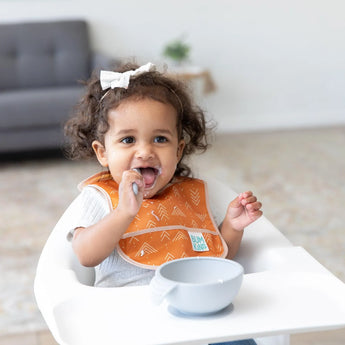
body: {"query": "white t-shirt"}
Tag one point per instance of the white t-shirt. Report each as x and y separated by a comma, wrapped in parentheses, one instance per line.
(114, 271)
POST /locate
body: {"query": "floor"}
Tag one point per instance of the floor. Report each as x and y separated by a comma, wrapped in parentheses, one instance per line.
(298, 175)
(28, 338)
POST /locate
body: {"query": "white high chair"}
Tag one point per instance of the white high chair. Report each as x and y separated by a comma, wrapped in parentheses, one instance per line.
(284, 291)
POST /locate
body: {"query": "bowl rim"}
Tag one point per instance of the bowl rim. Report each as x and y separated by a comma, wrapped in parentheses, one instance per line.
(231, 262)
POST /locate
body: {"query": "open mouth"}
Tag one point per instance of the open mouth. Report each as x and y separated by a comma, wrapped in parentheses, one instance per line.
(149, 175)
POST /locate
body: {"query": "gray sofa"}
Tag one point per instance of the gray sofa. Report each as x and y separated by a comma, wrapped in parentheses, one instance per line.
(41, 64)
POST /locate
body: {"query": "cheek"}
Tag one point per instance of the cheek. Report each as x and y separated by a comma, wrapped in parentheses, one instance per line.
(118, 162)
(170, 161)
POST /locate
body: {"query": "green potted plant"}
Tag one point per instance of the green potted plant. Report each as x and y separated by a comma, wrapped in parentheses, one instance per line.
(177, 50)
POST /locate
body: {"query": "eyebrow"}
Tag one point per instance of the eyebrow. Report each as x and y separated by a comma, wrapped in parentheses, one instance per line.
(125, 131)
(164, 131)
(130, 131)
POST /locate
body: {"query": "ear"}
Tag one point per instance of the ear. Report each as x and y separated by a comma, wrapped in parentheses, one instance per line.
(100, 152)
(180, 148)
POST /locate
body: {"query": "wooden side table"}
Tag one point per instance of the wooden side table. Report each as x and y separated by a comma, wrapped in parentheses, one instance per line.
(190, 73)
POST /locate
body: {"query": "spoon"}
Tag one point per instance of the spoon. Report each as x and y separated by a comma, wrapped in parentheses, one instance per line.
(134, 185)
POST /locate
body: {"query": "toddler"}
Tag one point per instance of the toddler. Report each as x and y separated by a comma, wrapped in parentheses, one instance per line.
(143, 208)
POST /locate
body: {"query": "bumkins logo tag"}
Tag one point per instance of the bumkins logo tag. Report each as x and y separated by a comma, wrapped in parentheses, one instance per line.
(198, 242)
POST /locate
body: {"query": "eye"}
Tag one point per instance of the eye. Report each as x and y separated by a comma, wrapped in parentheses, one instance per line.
(160, 139)
(128, 140)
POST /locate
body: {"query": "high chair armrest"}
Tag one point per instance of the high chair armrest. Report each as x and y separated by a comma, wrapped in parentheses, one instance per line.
(259, 241)
(59, 275)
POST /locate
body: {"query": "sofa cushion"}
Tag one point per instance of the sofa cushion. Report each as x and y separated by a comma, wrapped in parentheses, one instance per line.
(33, 139)
(43, 54)
(34, 108)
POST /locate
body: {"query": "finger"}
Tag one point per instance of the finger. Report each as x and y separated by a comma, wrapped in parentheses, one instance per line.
(254, 206)
(236, 202)
(249, 200)
(255, 215)
(135, 176)
(137, 171)
(245, 195)
(132, 181)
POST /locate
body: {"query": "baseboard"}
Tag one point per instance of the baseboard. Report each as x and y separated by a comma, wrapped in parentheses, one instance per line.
(262, 122)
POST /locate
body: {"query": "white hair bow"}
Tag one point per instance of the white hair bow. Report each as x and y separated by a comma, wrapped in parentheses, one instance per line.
(111, 79)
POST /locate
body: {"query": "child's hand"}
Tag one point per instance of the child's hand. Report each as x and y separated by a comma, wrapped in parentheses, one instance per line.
(243, 210)
(129, 201)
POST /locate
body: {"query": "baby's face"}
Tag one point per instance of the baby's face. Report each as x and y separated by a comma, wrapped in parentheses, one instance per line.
(143, 135)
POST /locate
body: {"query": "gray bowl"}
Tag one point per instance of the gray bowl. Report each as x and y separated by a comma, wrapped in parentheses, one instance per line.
(199, 285)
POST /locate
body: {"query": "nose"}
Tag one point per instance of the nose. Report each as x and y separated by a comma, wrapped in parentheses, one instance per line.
(145, 151)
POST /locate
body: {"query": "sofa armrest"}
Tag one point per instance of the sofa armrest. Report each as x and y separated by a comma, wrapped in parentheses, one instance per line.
(100, 61)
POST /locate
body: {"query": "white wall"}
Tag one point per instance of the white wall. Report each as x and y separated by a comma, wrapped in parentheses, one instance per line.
(277, 64)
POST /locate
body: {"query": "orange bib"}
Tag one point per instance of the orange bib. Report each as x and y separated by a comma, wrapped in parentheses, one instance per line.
(174, 224)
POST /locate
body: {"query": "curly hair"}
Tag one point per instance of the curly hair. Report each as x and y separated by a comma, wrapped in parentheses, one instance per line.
(90, 120)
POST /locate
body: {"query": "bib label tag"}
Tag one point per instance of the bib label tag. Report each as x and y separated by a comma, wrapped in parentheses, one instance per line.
(198, 242)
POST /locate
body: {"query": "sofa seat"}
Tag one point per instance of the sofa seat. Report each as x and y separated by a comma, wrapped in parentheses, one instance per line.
(31, 123)
(36, 108)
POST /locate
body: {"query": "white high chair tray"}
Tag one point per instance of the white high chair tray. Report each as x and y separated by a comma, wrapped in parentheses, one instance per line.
(292, 300)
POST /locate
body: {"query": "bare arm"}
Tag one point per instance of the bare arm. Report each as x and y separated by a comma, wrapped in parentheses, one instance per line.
(95, 243)
(242, 211)
(233, 239)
